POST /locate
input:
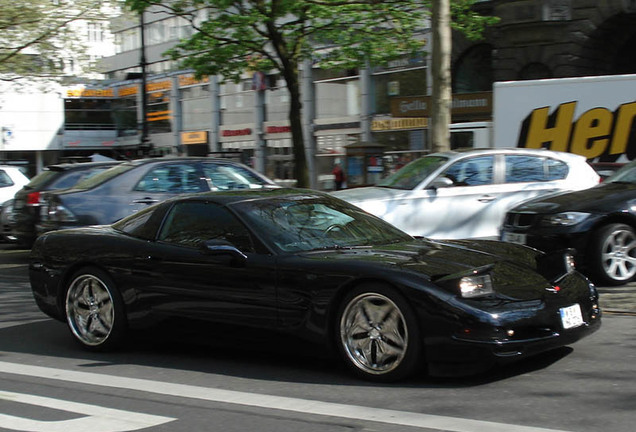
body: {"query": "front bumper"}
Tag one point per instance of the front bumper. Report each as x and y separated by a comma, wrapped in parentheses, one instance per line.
(504, 331)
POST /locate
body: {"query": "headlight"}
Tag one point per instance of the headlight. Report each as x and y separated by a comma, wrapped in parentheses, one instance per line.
(475, 285)
(564, 219)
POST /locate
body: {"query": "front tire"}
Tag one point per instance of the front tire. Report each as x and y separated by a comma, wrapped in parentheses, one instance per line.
(613, 254)
(94, 310)
(377, 334)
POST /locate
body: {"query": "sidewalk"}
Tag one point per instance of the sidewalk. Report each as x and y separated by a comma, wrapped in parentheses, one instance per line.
(618, 300)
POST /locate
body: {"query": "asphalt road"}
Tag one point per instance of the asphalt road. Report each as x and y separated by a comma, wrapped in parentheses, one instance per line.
(240, 382)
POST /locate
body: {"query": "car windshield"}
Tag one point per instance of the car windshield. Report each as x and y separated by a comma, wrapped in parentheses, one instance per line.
(304, 223)
(414, 173)
(627, 174)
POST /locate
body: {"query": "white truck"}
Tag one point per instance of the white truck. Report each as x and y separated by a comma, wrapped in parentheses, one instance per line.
(590, 116)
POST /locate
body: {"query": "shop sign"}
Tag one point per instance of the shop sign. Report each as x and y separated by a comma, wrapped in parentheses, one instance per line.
(80, 92)
(189, 80)
(196, 137)
(399, 124)
(227, 133)
(159, 85)
(277, 129)
(477, 104)
(127, 91)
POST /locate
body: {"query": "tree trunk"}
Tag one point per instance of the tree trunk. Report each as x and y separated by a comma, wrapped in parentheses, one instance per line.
(295, 122)
(441, 74)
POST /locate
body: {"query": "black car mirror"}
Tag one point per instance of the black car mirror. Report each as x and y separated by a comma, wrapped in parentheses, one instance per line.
(223, 248)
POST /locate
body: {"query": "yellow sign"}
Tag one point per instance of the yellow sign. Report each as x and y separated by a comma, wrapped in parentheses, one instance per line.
(596, 132)
(196, 137)
(188, 80)
(127, 91)
(399, 124)
(89, 93)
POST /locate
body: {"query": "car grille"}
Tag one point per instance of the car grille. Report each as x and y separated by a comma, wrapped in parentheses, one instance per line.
(520, 220)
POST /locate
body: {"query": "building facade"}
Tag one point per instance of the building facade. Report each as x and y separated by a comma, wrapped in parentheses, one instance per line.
(370, 120)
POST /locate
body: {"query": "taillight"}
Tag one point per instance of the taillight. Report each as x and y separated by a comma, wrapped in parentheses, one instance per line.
(33, 198)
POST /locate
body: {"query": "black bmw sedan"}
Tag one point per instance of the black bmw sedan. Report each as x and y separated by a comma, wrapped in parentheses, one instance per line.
(309, 264)
(599, 223)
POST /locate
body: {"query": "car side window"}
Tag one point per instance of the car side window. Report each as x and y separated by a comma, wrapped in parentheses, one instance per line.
(471, 172)
(5, 180)
(223, 176)
(191, 223)
(173, 178)
(521, 168)
(557, 170)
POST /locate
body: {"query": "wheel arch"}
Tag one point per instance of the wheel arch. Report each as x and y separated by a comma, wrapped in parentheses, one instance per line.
(336, 301)
(68, 274)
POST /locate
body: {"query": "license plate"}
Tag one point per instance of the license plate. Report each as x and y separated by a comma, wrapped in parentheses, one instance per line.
(514, 237)
(571, 316)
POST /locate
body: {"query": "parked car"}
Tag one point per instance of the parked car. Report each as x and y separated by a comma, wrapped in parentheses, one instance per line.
(304, 262)
(466, 193)
(132, 186)
(599, 223)
(26, 206)
(11, 180)
(6, 220)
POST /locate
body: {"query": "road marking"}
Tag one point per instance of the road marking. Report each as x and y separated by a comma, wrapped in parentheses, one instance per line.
(96, 418)
(305, 406)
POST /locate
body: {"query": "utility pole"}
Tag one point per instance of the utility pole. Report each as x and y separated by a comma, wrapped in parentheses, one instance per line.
(441, 74)
(145, 146)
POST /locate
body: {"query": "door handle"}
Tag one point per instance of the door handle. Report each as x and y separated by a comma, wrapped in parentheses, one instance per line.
(486, 198)
(146, 200)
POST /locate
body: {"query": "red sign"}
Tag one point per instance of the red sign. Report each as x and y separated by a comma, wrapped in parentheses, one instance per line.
(277, 129)
(236, 132)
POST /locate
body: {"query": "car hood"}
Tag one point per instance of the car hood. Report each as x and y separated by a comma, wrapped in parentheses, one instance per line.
(512, 267)
(606, 197)
(372, 193)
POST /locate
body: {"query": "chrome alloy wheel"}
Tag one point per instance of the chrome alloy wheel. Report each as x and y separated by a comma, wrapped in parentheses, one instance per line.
(618, 255)
(373, 333)
(89, 310)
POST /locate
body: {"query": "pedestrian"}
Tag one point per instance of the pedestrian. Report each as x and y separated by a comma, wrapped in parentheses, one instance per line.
(338, 176)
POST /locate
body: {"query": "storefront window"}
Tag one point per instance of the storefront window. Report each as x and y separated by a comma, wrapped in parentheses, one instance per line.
(125, 115)
(338, 97)
(158, 113)
(237, 103)
(393, 84)
(88, 114)
(277, 102)
(196, 107)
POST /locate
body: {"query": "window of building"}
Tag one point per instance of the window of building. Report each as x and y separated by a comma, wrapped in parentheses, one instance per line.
(473, 72)
(87, 114)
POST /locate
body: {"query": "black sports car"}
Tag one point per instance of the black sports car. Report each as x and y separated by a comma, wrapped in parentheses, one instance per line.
(307, 263)
(598, 223)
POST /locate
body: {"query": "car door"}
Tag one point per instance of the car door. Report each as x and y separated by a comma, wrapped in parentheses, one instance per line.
(198, 284)
(523, 177)
(458, 210)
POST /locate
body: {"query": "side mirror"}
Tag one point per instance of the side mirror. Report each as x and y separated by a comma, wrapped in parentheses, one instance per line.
(223, 248)
(442, 182)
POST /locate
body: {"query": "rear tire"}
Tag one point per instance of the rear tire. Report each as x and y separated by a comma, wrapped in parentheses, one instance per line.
(377, 334)
(612, 255)
(94, 310)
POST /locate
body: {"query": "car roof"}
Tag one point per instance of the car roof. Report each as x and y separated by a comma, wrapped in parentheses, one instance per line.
(234, 196)
(465, 152)
(79, 165)
(145, 161)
